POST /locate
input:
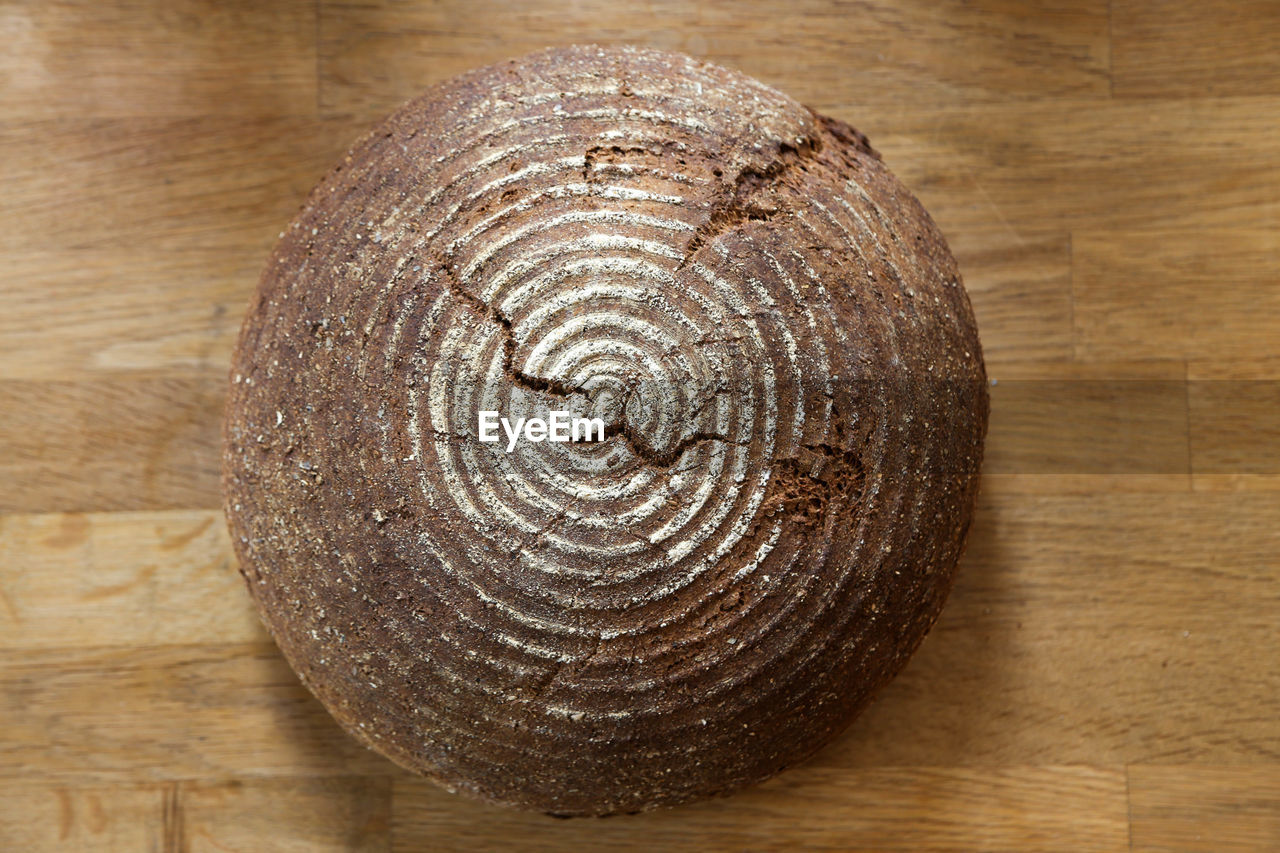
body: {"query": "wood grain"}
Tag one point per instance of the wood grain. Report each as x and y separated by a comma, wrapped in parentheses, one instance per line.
(83, 580)
(1234, 413)
(155, 184)
(120, 818)
(1091, 629)
(112, 443)
(1108, 174)
(1084, 164)
(373, 56)
(1207, 295)
(81, 313)
(1172, 48)
(77, 57)
(303, 814)
(919, 809)
(326, 813)
(1055, 418)
(166, 712)
(1020, 286)
(1194, 808)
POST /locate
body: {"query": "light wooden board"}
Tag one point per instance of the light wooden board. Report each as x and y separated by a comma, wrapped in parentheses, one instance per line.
(1106, 674)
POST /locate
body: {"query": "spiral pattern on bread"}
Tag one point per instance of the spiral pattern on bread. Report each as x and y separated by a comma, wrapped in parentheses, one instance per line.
(777, 343)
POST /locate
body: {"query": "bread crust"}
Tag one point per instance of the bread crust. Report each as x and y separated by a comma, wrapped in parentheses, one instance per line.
(779, 340)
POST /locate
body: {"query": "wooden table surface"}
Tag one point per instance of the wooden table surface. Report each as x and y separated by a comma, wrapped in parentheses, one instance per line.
(1107, 672)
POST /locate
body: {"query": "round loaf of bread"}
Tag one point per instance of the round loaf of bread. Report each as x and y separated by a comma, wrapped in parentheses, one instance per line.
(604, 432)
